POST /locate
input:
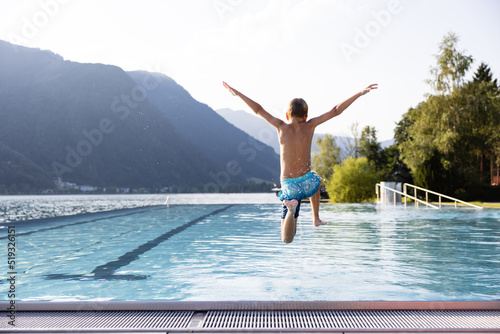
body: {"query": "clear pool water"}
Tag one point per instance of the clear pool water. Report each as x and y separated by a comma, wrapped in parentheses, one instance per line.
(233, 252)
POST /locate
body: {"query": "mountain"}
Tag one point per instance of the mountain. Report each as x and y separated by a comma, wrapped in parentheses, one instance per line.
(387, 143)
(208, 130)
(95, 124)
(20, 173)
(255, 126)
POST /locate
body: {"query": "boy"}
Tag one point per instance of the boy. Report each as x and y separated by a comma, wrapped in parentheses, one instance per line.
(298, 182)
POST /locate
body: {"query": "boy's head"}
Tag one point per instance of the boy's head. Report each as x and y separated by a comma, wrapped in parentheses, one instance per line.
(297, 108)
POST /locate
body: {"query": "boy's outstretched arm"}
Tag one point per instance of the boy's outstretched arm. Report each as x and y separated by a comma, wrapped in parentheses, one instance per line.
(339, 108)
(257, 108)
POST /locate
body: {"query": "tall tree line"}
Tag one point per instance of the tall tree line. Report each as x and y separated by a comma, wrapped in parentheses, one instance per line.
(448, 139)
(449, 142)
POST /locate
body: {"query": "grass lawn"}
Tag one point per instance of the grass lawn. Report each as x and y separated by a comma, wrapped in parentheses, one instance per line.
(484, 205)
(487, 205)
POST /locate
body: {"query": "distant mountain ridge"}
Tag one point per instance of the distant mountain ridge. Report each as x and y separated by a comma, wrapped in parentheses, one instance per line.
(95, 124)
(208, 130)
(255, 126)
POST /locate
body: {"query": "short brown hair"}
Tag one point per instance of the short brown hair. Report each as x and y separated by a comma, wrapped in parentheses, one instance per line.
(297, 108)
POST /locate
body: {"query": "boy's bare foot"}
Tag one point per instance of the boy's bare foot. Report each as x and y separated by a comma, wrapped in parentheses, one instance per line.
(291, 204)
(319, 222)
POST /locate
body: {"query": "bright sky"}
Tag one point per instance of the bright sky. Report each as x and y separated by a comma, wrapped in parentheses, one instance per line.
(271, 50)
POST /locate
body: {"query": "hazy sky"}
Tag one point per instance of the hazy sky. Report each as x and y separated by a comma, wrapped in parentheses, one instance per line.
(321, 50)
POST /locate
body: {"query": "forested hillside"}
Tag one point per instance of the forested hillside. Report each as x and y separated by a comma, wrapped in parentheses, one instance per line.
(92, 124)
(209, 131)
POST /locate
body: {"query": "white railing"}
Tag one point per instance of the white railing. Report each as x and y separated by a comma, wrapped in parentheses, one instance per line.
(406, 196)
(427, 192)
(404, 193)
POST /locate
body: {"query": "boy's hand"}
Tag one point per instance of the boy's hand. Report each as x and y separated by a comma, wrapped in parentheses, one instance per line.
(369, 89)
(231, 90)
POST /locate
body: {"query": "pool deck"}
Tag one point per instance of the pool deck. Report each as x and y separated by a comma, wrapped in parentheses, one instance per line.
(253, 317)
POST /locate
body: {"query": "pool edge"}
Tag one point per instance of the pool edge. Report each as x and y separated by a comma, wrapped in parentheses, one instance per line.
(256, 305)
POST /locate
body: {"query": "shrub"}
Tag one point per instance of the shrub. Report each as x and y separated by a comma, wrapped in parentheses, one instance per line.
(353, 181)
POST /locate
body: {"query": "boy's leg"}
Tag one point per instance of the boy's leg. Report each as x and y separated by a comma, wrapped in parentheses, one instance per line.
(289, 223)
(315, 209)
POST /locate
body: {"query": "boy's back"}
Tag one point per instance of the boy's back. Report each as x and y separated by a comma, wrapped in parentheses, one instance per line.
(295, 145)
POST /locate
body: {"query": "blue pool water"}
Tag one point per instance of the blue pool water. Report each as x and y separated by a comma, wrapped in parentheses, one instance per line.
(232, 252)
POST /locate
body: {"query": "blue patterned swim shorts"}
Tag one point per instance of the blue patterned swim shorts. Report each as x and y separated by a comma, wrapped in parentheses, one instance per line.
(298, 188)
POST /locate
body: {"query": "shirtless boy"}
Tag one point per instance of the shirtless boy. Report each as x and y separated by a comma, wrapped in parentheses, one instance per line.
(298, 182)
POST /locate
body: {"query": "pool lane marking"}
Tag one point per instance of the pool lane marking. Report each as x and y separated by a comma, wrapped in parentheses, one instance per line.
(81, 222)
(44, 262)
(106, 271)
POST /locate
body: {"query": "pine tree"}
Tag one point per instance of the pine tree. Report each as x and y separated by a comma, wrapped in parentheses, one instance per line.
(483, 74)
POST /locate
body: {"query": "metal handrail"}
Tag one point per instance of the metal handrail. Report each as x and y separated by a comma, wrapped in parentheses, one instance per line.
(427, 192)
(378, 185)
(417, 200)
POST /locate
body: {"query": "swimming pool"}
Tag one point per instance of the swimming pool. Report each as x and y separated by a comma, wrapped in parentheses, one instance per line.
(233, 252)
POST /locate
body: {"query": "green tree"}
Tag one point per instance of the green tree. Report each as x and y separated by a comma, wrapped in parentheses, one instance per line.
(353, 181)
(483, 74)
(401, 132)
(395, 169)
(327, 157)
(452, 65)
(481, 98)
(437, 140)
(431, 174)
(370, 148)
(388, 160)
(443, 138)
(433, 130)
